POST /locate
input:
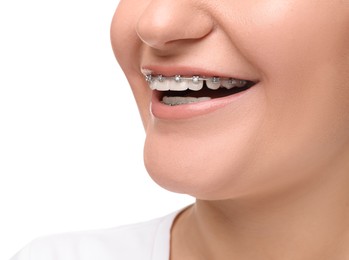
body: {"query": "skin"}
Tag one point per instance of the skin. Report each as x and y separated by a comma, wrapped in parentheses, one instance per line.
(271, 174)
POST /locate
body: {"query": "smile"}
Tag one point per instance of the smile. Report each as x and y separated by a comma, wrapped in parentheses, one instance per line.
(181, 90)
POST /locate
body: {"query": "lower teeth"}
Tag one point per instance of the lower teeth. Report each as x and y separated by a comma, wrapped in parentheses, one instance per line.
(174, 101)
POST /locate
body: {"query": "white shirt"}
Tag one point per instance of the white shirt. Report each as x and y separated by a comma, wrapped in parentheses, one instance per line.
(144, 241)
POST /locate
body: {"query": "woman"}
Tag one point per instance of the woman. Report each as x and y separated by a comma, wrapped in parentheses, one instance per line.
(245, 105)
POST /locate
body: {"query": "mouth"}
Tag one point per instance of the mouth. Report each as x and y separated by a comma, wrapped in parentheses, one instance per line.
(180, 90)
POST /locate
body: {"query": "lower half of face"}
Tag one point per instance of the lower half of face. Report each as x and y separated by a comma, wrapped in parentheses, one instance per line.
(290, 129)
(258, 144)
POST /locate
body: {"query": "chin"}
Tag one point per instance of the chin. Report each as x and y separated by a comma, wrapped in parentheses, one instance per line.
(188, 167)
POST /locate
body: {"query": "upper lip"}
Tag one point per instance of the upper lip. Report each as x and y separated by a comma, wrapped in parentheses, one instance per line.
(190, 71)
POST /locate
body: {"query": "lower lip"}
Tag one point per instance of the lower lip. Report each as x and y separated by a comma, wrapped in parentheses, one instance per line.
(162, 111)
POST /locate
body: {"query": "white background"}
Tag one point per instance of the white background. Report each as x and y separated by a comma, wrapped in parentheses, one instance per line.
(70, 136)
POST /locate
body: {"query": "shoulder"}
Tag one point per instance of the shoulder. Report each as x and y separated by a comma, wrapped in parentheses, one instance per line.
(135, 241)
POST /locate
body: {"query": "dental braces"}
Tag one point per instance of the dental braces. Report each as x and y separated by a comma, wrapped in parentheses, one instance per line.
(195, 79)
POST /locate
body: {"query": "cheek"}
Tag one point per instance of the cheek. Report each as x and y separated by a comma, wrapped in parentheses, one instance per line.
(290, 38)
(127, 47)
(122, 32)
(303, 52)
(302, 49)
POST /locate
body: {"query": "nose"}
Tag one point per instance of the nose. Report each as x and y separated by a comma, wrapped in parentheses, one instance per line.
(167, 21)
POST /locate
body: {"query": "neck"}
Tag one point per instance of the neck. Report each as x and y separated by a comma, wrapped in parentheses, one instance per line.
(308, 223)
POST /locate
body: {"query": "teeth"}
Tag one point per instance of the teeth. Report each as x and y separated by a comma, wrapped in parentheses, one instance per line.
(213, 83)
(178, 78)
(195, 83)
(228, 83)
(196, 79)
(163, 84)
(240, 83)
(149, 78)
(231, 83)
(174, 101)
(178, 84)
(185, 84)
(160, 78)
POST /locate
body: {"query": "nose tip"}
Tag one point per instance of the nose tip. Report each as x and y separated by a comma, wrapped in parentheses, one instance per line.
(167, 21)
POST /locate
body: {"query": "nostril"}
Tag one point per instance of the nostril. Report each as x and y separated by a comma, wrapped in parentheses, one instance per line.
(168, 21)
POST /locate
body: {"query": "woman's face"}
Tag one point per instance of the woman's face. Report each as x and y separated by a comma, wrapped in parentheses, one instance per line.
(287, 129)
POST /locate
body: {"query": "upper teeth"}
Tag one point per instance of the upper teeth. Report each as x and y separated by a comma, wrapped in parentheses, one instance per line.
(180, 83)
